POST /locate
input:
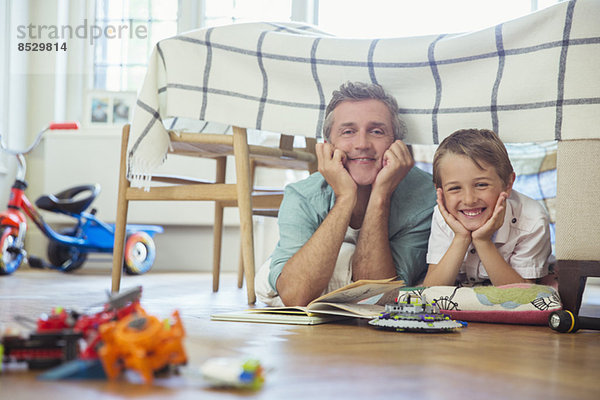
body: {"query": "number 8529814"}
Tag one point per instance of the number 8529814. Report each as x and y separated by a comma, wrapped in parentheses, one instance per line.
(47, 46)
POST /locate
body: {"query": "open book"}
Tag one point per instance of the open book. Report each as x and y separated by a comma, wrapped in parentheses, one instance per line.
(275, 318)
(348, 301)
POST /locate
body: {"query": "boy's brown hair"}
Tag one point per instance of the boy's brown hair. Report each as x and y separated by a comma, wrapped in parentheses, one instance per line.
(480, 145)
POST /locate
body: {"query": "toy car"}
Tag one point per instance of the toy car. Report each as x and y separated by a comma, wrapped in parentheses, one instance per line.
(415, 315)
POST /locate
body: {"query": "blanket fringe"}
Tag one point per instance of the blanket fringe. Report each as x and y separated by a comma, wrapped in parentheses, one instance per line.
(139, 171)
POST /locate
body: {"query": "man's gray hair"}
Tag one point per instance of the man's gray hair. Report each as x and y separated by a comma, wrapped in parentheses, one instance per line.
(354, 91)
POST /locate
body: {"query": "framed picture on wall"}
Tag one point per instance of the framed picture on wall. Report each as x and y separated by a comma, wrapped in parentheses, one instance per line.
(110, 109)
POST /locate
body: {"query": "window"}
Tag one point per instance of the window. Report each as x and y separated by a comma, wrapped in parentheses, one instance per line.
(4, 68)
(134, 27)
(393, 18)
(221, 12)
(4, 61)
(119, 64)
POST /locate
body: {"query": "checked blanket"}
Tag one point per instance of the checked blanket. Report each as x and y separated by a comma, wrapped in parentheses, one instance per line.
(536, 78)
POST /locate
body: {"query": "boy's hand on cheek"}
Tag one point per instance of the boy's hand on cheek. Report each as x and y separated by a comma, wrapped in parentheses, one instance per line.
(331, 165)
(454, 224)
(495, 222)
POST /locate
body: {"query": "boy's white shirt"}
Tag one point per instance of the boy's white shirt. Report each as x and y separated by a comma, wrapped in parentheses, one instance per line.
(523, 240)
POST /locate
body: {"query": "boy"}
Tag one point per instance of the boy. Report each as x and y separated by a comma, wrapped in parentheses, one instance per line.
(482, 229)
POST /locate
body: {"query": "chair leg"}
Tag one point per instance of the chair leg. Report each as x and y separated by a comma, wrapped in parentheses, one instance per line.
(240, 281)
(242, 169)
(572, 277)
(122, 208)
(311, 147)
(218, 226)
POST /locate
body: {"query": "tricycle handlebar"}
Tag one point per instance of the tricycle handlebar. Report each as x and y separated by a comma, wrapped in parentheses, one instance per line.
(63, 125)
(38, 138)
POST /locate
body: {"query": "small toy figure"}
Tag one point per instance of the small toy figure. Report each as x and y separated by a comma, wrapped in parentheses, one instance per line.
(233, 372)
(415, 315)
(143, 343)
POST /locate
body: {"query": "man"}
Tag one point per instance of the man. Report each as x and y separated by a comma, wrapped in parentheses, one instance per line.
(365, 215)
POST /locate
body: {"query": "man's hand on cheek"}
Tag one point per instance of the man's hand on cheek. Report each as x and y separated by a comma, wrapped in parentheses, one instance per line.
(397, 162)
(331, 163)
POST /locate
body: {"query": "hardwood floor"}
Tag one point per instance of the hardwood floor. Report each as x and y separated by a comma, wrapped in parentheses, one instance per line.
(346, 359)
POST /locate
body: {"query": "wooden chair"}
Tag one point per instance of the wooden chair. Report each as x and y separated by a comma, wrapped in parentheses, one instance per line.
(241, 194)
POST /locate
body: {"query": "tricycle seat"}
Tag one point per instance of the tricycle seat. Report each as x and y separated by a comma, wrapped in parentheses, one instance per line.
(71, 201)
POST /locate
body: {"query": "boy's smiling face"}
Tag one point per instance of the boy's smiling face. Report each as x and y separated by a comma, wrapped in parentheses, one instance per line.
(470, 193)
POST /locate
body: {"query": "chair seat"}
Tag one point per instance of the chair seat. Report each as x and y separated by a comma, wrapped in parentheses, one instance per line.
(219, 145)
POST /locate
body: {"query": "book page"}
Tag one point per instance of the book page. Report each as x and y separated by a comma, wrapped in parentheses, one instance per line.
(359, 290)
(282, 310)
(275, 318)
(348, 309)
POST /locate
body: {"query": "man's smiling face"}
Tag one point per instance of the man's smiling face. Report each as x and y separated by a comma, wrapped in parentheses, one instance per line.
(363, 130)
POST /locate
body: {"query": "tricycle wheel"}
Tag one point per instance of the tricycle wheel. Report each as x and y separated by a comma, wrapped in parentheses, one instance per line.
(10, 257)
(139, 253)
(65, 258)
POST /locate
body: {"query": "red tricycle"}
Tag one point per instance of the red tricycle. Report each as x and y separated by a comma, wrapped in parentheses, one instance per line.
(69, 248)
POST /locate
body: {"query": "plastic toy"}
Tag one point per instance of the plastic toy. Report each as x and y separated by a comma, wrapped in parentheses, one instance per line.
(58, 320)
(40, 350)
(143, 343)
(68, 249)
(118, 307)
(87, 365)
(75, 369)
(66, 336)
(564, 321)
(233, 372)
(415, 315)
(99, 345)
